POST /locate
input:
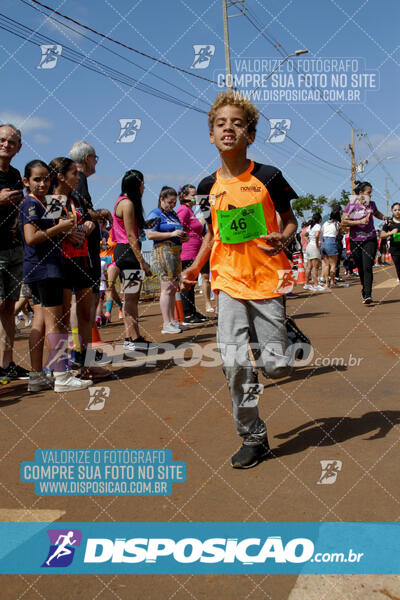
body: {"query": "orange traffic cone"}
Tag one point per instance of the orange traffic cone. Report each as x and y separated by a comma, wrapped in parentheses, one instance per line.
(301, 275)
(178, 312)
(96, 339)
(388, 258)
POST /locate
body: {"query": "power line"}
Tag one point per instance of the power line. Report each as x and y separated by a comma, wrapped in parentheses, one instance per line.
(110, 39)
(21, 31)
(143, 87)
(183, 90)
(369, 143)
(283, 52)
(306, 150)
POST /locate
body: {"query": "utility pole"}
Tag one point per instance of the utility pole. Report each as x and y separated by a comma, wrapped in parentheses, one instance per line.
(353, 162)
(242, 9)
(228, 73)
(360, 167)
(347, 149)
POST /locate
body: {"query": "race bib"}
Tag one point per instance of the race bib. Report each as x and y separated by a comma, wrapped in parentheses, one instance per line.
(241, 224)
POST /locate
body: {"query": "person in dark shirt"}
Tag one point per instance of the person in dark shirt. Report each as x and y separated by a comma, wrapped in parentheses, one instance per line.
(391, 231)
(43, 271)
(85, 157)
(11, 250)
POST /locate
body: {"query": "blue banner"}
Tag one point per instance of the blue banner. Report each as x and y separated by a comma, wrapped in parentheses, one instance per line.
(199, 548)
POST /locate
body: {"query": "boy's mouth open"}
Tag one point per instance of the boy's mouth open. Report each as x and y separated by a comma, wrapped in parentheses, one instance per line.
(228, 139)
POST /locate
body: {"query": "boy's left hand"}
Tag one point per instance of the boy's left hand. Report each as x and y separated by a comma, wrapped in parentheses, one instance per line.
(275, 243)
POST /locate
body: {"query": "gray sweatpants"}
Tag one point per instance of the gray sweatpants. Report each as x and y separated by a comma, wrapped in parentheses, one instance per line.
(259, 325)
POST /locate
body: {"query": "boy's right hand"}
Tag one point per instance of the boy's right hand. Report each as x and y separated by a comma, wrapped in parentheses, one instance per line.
(189, 278)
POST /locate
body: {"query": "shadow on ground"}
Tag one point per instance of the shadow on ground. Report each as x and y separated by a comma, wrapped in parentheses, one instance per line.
(329, 431)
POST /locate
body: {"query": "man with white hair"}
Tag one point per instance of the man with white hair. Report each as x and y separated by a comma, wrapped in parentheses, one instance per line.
(84, 155)
(11, 250)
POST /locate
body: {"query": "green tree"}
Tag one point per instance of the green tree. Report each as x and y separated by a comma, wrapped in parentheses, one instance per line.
(343, 200)
(305, 206)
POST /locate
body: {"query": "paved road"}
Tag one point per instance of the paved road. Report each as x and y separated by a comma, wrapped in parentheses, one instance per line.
(343, 407)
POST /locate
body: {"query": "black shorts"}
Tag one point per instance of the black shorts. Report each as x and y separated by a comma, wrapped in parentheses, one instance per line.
(96, 287)
(95, 272)
(205, 269)
(47, 292)
(125, 258)
(77, 273)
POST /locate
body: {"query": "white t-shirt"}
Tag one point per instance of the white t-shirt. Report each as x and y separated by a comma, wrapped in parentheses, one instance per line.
(330, 229)
(312, 233)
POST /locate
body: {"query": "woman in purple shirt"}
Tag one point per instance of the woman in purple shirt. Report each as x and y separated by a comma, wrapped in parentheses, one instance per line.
(194, 229)
(358, 215)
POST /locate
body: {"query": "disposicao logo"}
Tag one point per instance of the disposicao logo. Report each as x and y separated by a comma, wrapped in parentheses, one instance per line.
(62, 547)
(190, 550)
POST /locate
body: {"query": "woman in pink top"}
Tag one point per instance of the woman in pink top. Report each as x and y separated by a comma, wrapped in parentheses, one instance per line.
(127, 220)
(194, 229)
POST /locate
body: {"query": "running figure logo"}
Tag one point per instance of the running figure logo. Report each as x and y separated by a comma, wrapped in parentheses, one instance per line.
(203, 53)
(330, 470)
(54, 206)
(279, 129)
(132, 280)
(129, 127)
(50, 54)
(251, 394)
(62, 547)
(285, 281)
(97, 397)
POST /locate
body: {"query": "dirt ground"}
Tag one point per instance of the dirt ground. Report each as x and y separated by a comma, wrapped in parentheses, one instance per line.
(344, 407)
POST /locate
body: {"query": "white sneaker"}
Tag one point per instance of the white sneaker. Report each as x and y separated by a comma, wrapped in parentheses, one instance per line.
(38, 382)
(181, 326)
(171, 327)
(65, 382)
(319, 288)
(307, 286)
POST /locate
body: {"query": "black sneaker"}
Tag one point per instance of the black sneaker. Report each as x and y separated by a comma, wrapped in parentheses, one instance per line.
(201, 317)
(193, 320)
(367, 300)
(339, 279)
(14, 371)
(250, 456)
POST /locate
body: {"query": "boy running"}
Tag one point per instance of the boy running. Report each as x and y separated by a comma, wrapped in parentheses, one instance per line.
(249, 269)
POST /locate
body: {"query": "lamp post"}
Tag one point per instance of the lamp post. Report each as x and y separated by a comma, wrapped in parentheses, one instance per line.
(264, 79)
